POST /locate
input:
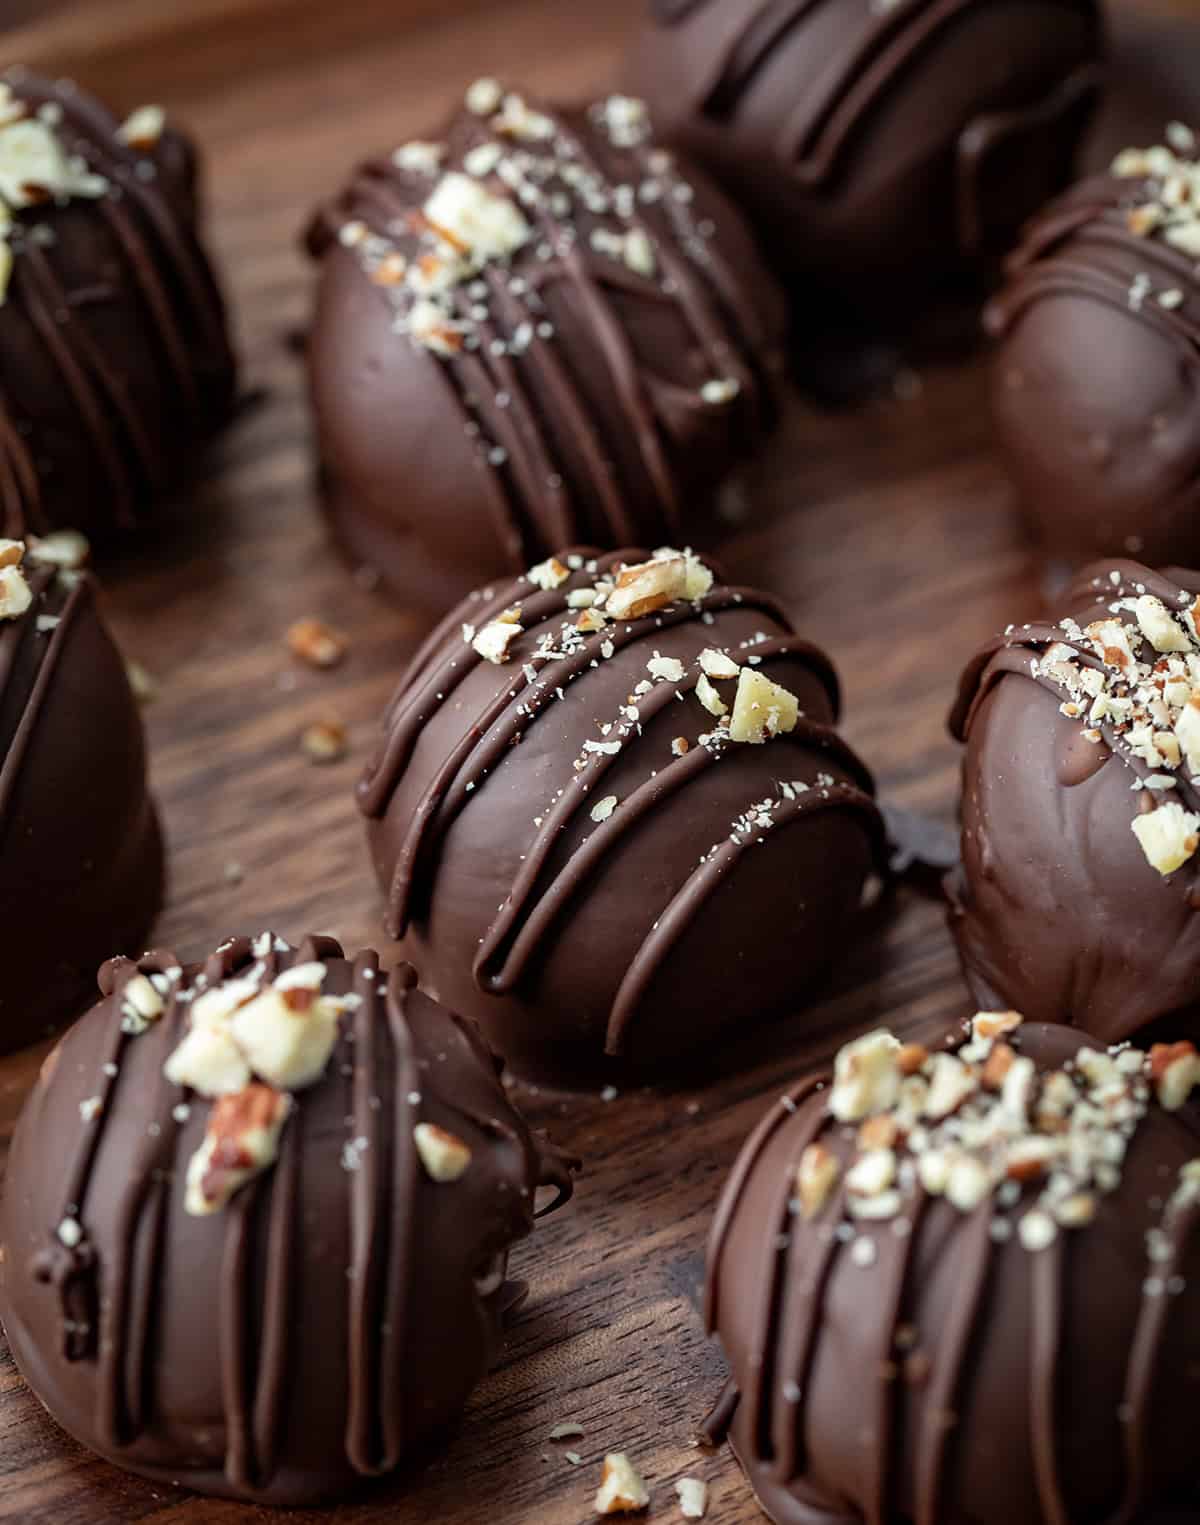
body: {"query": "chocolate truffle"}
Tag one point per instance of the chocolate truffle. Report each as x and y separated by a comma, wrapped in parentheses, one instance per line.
(256, 1220)
(611, 813)
(965, 1286)
(81, 864)
(1077, 897)
(540, 329)
(1098, 363)
(880, 148)
(113, 350)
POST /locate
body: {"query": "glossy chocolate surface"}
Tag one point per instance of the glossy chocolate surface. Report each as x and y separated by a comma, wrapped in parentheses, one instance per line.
(327, 1324)
(595, 383)
(571, 854)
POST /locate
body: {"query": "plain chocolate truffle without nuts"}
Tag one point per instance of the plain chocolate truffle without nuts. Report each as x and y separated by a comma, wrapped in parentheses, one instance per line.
(1077, 899)
(81, 860)
(1097, 369)
(965, 1286)
(536, 330)
(114, 361)
(879, 148)
(256, 1220)
(612, 815)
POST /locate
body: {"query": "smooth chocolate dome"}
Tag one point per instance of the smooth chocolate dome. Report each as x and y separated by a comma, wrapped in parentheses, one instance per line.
(594, 837)
(255, 1220)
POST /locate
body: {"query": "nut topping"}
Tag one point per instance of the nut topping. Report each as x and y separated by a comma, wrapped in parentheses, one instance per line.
(240, 1142)
(444, 1155)
(622, 1490)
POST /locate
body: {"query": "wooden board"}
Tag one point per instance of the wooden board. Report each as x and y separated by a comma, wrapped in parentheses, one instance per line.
(890, 530)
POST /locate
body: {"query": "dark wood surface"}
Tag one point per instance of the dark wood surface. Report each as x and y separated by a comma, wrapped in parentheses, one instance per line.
(889, 528)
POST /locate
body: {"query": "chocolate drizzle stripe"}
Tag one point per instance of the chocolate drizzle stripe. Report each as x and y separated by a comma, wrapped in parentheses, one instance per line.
(271, 1390)
(883, 1458)
(543, 497)
(49, 312)
(819, 132)
(704, 880)
(749, 1158)
(20, 490)
(236, 1358)
(25, 629)
(947, 1375)
(1144, 1354)
(1062, 277)
(132, 208)
(491, 734)
(402, 1238)
(371, 1248)
(1046, 1293)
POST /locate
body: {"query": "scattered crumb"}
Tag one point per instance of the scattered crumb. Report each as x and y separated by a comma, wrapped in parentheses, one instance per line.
(233, 873)
(316, 643)
(565, 1431)
(622, 1490)
(324, 742)
(693, 1498)
(145, 688)
(609, 1093)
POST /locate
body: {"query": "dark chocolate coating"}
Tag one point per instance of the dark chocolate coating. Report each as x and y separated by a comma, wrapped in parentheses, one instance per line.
(645, 936)
(1094, 388)
(81, 860)
(880, 149)
(1038, 1387)
(1055, 909)
(603, 433)
(115, 365)
(324, 1327)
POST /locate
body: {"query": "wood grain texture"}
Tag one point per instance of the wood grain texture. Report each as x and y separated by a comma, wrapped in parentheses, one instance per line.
(889, 529)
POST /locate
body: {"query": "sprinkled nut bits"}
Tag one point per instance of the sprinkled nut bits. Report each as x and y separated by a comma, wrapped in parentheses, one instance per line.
(595, 783)
(98, 219)
(882, 147)
(303, 1146)
(543, 328)
(1077, 895)
(1104, 455)
(951, 1243)
(81, 870)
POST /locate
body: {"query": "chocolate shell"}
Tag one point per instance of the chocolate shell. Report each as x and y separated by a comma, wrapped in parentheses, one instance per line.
(537, 330)
(1098, 363)
(879, 148)
(612, 815)
(966, 1286)
(256, 1219)
(81, 860)
(114, 361)
(1077, 896)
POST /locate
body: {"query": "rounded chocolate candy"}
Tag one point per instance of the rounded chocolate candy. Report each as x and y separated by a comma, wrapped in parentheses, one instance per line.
(1097, 368)
(1077, 895)
(256, 1219)
(879, 148)
(538, 329)
(965, 1285)
(612, 814)
(81, 858)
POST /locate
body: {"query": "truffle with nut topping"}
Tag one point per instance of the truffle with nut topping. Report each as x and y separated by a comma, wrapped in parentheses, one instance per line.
(256, 1220)
(612, 815)
(1098, 362)
(879, 148)
(113, 347)
(1077, 896)
(81, 861)
(539, 329)
(965, 1285)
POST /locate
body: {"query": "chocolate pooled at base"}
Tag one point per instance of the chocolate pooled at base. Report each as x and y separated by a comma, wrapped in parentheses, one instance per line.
(1077, 898)
(964, 1287)
(1097, 367)
(537, 331)
(256, 1220)
(115, 364)
(81, 856)
(613, 817)
(881, 150)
